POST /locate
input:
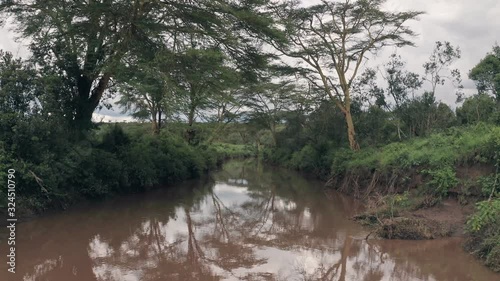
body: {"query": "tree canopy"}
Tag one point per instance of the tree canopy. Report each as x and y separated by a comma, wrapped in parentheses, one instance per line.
(486, 73)
(85, 41)
(335, 37)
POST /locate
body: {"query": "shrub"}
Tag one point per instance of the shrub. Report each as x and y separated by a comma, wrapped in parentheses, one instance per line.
(487, 212)
(307, 159)
(55, 172)
(490, 185)
(228, 150)
(484, 229)
(442, 180)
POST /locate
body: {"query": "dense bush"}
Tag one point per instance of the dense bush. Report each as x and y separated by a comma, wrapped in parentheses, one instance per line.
(442, 180)
(484, 228)
(479, 108)
(484, 224)
(108, 161)
(228, 150)
(306, 159)
(472, 144)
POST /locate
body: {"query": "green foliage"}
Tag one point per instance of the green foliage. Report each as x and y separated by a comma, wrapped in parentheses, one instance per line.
(487, 212)
(306, 159)
(4, 166)
(486, 74)
(107, 161)
(490, 185)
(85, 43)
(442, 57)
(442, 180)
(398, 202)
(456, 145)
(484, 229)
(228, 150)
(479, 108)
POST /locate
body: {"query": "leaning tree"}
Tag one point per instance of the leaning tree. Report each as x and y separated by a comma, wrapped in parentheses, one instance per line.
(334, 38)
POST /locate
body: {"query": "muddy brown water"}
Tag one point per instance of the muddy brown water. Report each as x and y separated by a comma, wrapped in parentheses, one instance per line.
(245, 222)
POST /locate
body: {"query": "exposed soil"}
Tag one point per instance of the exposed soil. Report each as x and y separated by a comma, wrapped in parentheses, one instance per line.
(443, 220)
(450, 213)
(424, 220)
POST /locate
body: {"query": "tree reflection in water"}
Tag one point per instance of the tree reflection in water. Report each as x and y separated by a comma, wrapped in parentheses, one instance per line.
(246, 223)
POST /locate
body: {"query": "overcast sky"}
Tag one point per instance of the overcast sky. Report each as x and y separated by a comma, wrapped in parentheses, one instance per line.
(474, 26)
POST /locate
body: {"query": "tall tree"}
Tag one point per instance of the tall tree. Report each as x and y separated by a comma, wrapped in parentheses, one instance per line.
(199, 75)
(486, 74)
(146, 91)
(84, 40)
(334, 38)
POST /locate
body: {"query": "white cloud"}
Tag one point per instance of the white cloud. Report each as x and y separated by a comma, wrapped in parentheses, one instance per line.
(471, 25)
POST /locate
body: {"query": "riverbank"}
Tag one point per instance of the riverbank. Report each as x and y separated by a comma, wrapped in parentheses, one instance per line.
(442, 185)
(108, 161)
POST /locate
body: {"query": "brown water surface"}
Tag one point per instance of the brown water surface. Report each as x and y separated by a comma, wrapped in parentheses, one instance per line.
(247, 222)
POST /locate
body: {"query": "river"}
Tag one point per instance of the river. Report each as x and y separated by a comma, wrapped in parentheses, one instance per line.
(246, 222)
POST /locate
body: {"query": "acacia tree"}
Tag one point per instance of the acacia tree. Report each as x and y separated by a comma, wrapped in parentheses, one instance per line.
(199, 74)
(83, 41)
(335, 37)
(268, 103)
(146, 91)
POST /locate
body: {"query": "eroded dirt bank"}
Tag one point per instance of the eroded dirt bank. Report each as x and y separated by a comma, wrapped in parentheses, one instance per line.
(409, 205)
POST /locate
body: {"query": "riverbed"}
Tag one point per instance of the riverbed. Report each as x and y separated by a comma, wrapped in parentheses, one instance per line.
(247, 221)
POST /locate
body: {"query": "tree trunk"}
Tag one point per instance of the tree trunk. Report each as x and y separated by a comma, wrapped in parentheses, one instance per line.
(351, 133)
(273, 133)
(159, 120)
(345, 107)
(156, 129)
(257, 141)
(399, 129)
(191, 132)
(83, 114)
(154, 122)
(191, 116)
(87, 100)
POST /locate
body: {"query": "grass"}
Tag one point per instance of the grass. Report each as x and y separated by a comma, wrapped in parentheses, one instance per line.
(455, 146)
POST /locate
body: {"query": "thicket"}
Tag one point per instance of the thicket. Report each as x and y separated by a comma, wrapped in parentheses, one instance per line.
(54, 170)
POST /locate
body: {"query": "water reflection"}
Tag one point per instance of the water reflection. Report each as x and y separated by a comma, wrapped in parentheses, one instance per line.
(247, 222)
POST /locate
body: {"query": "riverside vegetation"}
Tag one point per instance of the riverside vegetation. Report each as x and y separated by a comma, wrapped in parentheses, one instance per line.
(401, 179)
(206, 81)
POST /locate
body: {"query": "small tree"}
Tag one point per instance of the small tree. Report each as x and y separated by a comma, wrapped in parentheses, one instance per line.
(400, 83)
(478, 108)
(437, 69)
(486, 74)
